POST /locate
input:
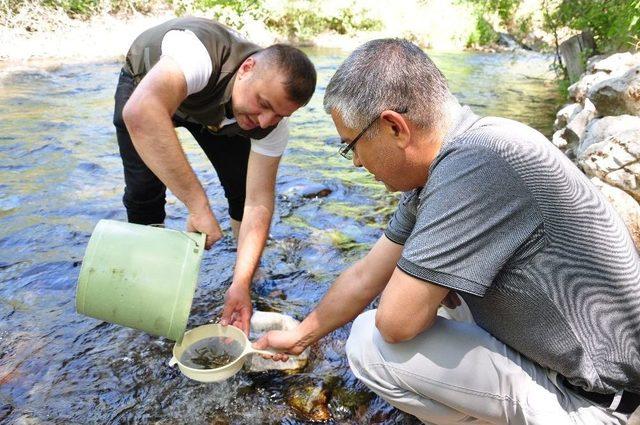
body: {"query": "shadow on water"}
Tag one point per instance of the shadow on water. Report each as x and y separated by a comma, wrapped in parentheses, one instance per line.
(60, 173)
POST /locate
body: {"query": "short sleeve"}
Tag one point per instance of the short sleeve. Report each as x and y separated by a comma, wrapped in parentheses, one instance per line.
(274, 143)
(191, 57)
(473, 215)
(403, 219)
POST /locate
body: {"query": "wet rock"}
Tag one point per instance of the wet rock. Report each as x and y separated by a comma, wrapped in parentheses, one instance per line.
(268, 305)
(600, 129)
(309, 398)
(618, 95)
(576, 127)
(507, 40)
(616, 160)
(625, 205)
(566, 114)
(278, 293)
(321, 194)
(348, 403)
(312, 190)
(219, 421)
(5, 411)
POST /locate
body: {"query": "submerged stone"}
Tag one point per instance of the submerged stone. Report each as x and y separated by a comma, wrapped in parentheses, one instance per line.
(309, 398)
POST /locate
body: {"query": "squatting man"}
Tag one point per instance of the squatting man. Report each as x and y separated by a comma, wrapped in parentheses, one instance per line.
(492, 215)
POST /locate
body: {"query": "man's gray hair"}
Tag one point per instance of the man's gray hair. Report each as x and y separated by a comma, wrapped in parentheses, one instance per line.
(388, 74)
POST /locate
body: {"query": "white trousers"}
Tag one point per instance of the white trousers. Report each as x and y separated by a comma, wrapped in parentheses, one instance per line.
(456, 372)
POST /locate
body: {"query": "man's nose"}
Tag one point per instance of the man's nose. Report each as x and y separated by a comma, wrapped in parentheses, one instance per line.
(356, 160)
(267, 119)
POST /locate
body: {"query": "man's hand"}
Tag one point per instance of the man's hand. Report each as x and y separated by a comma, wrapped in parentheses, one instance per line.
(205, 222)
(237, 308)
(288, 342)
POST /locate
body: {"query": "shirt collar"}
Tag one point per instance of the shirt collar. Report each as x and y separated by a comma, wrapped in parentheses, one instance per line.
(462, 118)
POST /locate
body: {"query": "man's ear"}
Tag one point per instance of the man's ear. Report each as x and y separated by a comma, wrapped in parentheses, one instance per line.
(247, 67)
(397, 127)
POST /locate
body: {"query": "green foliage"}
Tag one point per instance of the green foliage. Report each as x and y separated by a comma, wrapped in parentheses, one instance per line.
(505, 9)
(237, 6)
(301, 22)
(524, 25)
(297, 20)
(615, 24)
(483, 34)
(231, 12)
(76, 8)
(82, 8)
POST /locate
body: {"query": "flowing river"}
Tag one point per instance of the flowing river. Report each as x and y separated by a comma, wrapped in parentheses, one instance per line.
(60, 173)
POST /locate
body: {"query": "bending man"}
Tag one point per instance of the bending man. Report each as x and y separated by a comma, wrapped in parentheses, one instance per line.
(235, 99)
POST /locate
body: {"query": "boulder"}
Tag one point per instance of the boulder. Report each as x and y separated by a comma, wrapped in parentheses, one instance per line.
(614, 63)
(309, 398)
(577, 126)
(566, 114)
(559, 141)
(593, 61)
(601, 128)
(578, 90)
(311, 190)
(618, 95)
(616, 161)
(508, 41)
(627, 207)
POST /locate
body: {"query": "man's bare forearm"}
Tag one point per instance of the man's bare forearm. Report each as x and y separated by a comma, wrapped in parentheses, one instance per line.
(252, 239)
(154, 138)
(351, 293)
(147, 115)
(346, 299)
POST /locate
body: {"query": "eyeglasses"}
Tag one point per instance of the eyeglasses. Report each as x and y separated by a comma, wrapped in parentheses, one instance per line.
(346, 150)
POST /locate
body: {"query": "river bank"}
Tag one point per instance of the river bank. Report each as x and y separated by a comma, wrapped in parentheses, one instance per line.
(600, 131)
(107, 38)
(101, 39)
(38, 36)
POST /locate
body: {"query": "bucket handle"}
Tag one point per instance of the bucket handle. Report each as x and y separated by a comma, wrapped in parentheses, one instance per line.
(161, 225)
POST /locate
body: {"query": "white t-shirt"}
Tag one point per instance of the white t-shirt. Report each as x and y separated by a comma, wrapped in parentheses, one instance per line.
(192, 58)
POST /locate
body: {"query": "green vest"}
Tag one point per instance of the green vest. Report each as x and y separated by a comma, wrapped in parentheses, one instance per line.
(227, 50)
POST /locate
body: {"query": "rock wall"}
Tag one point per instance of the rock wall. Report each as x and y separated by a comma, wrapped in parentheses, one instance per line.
(600, 131)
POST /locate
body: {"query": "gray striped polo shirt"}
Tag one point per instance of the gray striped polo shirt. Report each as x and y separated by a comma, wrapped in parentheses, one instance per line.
(543, 261)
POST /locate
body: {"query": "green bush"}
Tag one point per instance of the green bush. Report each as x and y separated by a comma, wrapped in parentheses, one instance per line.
(296, 20)
(483, 34)
(615, 24)
(303, 23)
(505, 9)
(81, 8)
